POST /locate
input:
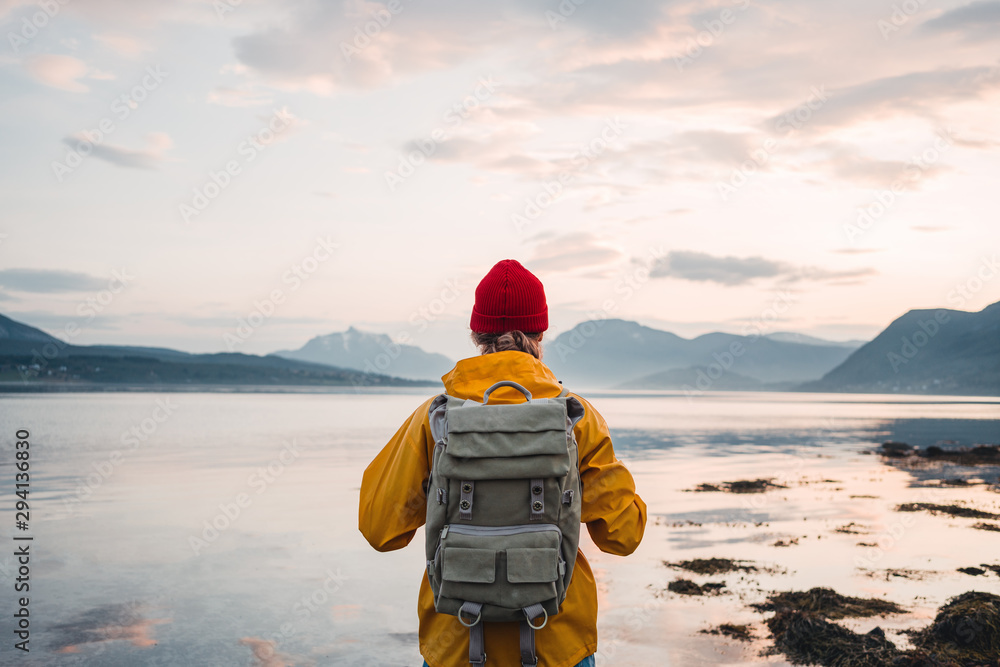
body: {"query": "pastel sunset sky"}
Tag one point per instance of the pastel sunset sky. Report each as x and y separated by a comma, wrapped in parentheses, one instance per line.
(683, 164)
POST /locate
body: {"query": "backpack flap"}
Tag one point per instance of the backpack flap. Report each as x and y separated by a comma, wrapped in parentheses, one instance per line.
(517, 441)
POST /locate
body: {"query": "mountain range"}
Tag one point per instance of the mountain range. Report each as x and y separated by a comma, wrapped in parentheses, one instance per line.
(622, 354)
(924, 351)
(939, 351)
(371, 353)
(29, 357)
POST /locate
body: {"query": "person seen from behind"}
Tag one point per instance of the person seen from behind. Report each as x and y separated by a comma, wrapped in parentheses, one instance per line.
(507, 323)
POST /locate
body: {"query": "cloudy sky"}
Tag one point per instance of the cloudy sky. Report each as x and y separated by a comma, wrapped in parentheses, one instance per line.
(170, 168)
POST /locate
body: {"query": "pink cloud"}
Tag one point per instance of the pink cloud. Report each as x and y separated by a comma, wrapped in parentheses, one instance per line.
(58, 71)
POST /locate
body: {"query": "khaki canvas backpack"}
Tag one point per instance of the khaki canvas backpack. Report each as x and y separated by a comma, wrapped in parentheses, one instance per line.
(503, 511)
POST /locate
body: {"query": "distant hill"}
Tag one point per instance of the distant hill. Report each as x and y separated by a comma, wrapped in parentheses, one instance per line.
(802, 339)
(371, 352)
(12, 331)
(29, 356)
(925, 351)
(608, 353)
(698, 376)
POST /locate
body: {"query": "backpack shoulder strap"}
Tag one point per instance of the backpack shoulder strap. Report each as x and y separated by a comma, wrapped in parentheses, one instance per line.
(563, 393)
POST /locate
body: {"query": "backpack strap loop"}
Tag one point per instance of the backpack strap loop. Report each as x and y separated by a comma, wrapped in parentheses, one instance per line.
(506, 383)
(534, 611)
(472, 609)
(477, 642)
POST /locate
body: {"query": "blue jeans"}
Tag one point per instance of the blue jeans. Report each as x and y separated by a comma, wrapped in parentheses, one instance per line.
(586, 662)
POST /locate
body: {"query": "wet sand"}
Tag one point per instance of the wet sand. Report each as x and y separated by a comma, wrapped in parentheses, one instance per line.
(848, 519)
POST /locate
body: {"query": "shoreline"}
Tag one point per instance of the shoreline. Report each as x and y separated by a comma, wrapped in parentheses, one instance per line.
(419, 386)
(16, 388)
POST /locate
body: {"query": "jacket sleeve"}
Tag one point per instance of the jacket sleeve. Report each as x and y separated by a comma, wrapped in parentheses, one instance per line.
(615, 515)
(393, 500)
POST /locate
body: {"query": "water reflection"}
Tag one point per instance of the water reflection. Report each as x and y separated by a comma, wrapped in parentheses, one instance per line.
(290, 581)
(126, 622)
(266, 654)
(950, 432)
(831, 432)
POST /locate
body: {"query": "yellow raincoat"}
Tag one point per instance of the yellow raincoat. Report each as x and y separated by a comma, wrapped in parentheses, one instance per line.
(393, 506)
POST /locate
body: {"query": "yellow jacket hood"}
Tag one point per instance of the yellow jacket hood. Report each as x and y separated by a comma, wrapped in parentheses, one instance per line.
(471, 377)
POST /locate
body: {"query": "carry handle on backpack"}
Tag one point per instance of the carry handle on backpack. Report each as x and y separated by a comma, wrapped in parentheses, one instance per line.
(506, 383)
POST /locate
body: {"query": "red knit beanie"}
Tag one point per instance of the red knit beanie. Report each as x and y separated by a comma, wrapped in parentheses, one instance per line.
(510, 298)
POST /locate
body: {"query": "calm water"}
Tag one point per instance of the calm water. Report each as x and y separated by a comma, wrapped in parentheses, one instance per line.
(127, 568)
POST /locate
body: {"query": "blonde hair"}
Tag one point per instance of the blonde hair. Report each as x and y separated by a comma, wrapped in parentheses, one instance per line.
(509, 340)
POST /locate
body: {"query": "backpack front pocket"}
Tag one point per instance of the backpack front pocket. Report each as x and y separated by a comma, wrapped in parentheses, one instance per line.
(473, 566)
(506, 566)
(532, 574)
(532, 566)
